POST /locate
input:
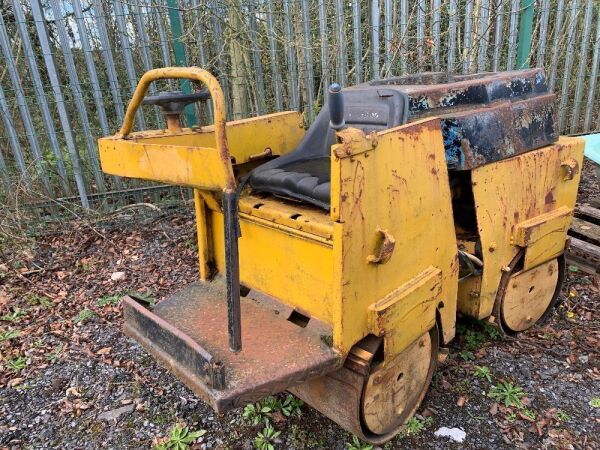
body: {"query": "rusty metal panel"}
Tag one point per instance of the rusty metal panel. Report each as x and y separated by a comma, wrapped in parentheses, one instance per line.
(187, 333)
(377, 184)
(485, 135)
(503, 200)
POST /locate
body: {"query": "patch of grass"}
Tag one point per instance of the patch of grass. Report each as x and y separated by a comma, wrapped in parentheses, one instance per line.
(164, 418)
(529, 413)
(15, 315)
(191, 244)
(474, 339)
(265, 439)
(491, 330)
(511, 416)
(83, 316)
(416, 425)
(55, 353)
(437, 378)
(8, 335)
(562, 416)
(109, 300)
(38, 343)
(466, 355)
(39, 300)
(180, 438)
(461, 328)
(595, 402)
(357, 445)
(297, 435)
(16, 364)
(507, 393)
(483, 372)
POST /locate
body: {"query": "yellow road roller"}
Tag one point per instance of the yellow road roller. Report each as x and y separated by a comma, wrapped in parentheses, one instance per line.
(334, 260)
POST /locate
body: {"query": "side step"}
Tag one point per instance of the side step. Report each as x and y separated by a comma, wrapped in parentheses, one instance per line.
(187, 333)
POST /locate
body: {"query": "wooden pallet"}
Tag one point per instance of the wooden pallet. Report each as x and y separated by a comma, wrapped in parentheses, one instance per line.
(584, 251)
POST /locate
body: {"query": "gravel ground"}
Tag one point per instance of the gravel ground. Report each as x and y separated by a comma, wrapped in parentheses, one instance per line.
(70, 379)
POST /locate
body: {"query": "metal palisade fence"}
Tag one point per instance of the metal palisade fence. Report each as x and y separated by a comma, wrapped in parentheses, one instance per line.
(70, 66)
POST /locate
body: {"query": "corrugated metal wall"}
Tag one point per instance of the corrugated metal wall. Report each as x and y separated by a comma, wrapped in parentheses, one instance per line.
(69, 66)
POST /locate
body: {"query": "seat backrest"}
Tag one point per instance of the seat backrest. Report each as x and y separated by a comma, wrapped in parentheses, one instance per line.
(375, 109)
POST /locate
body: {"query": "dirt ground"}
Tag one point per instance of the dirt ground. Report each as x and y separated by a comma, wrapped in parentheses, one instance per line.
(70, 379)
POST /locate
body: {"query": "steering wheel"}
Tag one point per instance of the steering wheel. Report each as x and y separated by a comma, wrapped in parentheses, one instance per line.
(174, 102)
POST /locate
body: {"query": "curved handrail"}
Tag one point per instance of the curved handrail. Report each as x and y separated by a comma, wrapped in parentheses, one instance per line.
(218, 101)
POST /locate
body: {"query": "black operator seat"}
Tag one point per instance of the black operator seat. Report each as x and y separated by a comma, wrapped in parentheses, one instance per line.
(304, 174)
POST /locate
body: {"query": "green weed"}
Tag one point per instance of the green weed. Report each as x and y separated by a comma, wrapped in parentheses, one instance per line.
(83, 316)
(291, 406)
(39, 300)
(265, 439)
(507, 393)
(109, 300)
(491, 330)
(529, 413)
(416, 425)
(55, 353)
(483, 372)
(466, 355)
(255, 413)
(16, 364)
(473, 339)
(8, 335)
(180, 438)
(15, 315)
(357, 445)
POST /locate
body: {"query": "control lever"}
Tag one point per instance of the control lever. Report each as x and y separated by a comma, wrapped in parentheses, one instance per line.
(335, 101)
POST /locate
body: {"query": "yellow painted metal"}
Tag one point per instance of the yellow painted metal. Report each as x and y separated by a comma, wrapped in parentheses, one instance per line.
(190, 158)
(199, 167)
(204, 253)
(543, 236)
(219, 110)
(397, 181)
(528, 295)
(503, 201)
(278, 133)
(384, 259)
(296, 216)
(468, 294)
(291, 265)
(412, 305)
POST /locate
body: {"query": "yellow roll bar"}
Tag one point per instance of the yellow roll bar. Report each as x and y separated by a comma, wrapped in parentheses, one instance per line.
(218, 101)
